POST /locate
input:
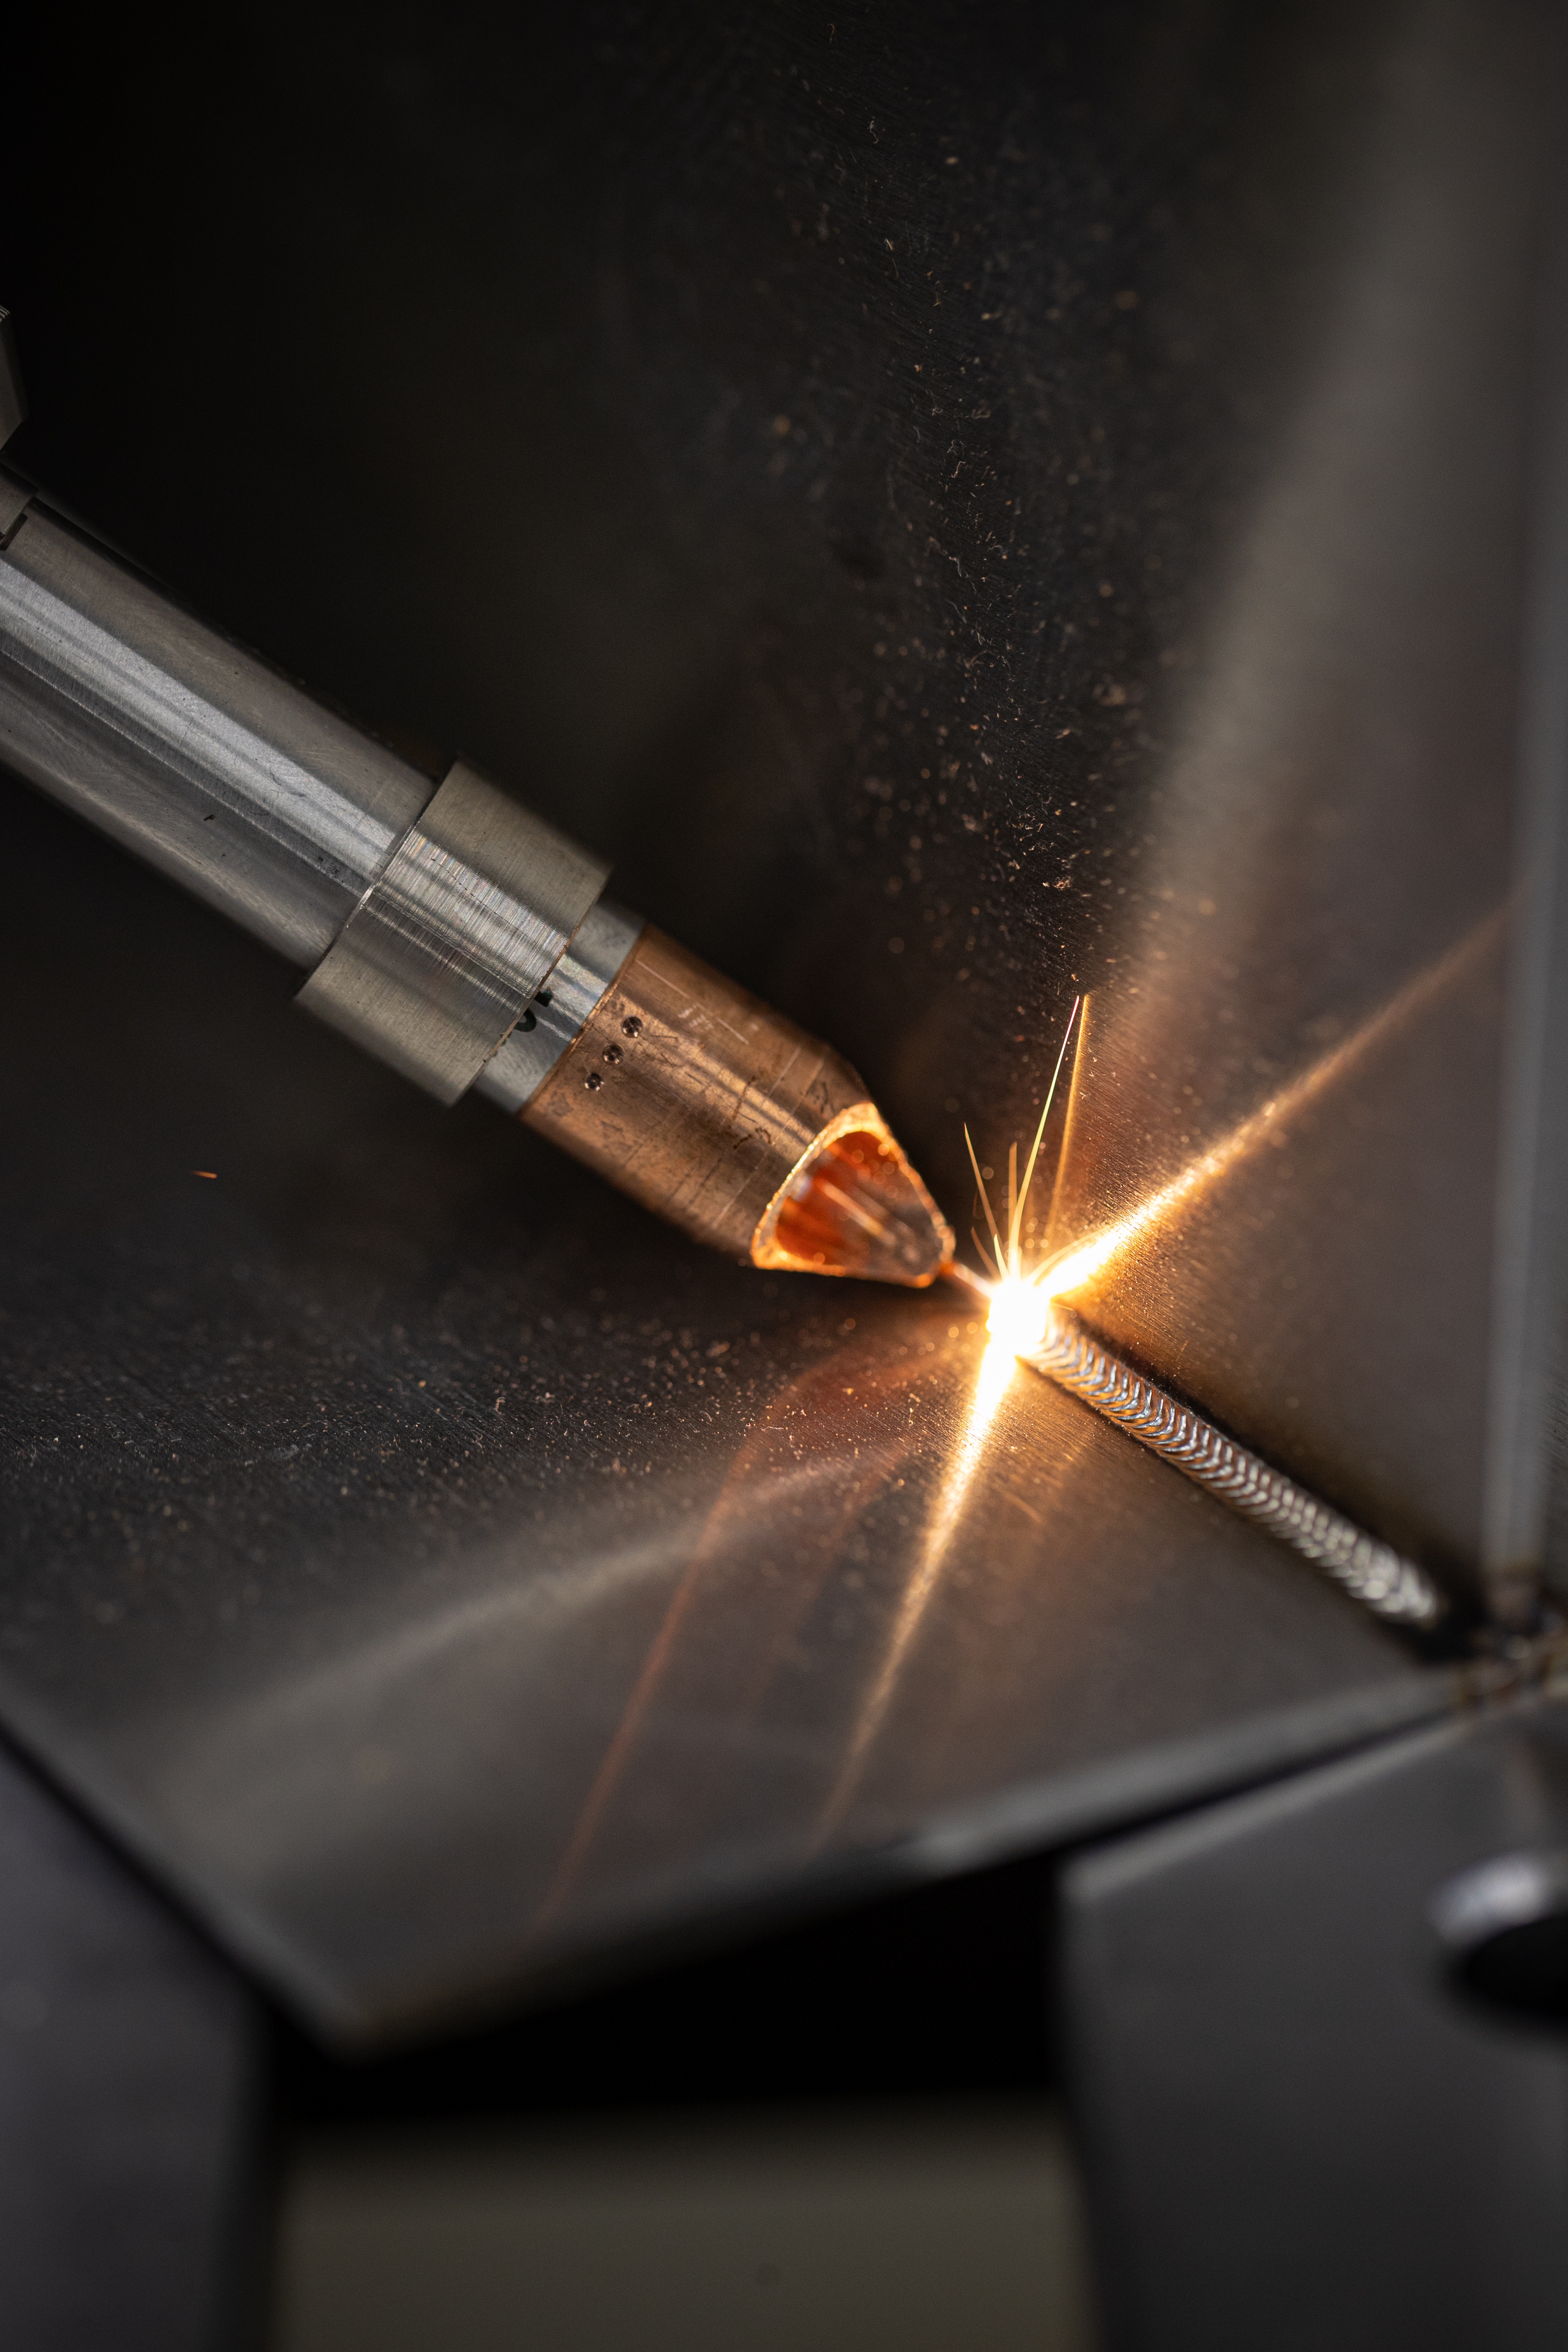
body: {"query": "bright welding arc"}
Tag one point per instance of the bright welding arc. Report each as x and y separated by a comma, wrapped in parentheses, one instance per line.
(1023, 1318)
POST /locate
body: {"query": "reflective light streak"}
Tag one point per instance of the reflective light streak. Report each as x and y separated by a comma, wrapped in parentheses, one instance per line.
(1018, 1305)
(1079, 1264)
(996, 1370)
(997, 1367)
(1026, 1325)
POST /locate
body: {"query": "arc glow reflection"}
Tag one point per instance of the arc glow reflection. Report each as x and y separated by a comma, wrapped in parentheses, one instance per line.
(997, 1367)
(1018, 1300)
(1071, 1269)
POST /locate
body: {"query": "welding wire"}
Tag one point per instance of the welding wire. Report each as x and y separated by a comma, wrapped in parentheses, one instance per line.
(1371, 1572)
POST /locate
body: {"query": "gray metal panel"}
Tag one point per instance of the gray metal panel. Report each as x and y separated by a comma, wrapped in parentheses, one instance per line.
(1222, 332)
(1297, 2133)
(13, 399)
(443, 1616)
(130, 2211)
(1323, 961)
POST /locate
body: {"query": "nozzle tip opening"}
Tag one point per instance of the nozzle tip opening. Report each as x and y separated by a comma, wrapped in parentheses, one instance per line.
(854, 1205)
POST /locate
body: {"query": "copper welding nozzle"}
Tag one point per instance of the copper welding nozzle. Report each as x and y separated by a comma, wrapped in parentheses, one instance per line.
(718, 1112)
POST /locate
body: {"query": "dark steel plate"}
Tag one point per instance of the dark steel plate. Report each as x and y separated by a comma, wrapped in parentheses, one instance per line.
(444, 1572)
(1300, 2129)
(962, 506)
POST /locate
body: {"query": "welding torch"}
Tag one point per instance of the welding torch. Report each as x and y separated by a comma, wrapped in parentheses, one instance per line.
(445, 927)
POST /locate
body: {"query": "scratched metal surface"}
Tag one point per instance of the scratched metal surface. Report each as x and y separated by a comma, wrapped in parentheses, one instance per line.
(447, 1574)
(961, 508)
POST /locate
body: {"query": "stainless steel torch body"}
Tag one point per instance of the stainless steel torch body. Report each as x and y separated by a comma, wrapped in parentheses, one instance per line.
(432, 913)
(190, 752)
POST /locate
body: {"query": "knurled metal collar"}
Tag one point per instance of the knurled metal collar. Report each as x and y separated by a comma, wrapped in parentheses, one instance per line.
(462, 929)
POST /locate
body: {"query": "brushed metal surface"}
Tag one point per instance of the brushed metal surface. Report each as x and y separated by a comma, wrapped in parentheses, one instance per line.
(527, 1054)
(449, 1578)
(1127, 569)
(465, 920)
(1304, 1050)
(971, 510)
(188, 749)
